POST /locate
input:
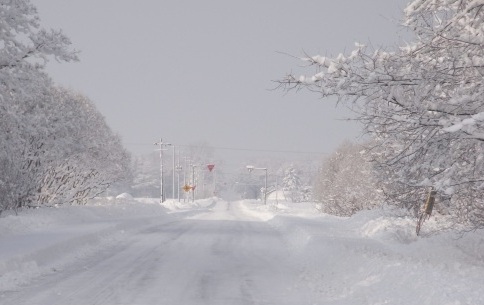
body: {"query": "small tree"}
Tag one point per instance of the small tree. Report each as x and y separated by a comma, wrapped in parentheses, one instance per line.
(292, 185)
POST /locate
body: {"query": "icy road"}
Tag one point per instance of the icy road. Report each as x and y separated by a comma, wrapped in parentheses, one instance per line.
(230, 253)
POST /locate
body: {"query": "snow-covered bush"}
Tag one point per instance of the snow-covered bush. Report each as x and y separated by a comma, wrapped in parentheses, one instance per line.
(422, 103)
(346, 182)
(86, 157)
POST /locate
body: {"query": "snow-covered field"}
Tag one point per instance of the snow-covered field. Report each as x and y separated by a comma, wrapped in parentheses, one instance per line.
(127, 251)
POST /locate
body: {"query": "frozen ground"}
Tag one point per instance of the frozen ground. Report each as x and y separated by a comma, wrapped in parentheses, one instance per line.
(216, 252)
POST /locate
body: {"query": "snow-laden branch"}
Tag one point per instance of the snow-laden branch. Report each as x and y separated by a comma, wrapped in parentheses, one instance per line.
(423, 103)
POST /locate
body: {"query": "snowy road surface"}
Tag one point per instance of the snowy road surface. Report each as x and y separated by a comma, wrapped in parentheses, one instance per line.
(230, 253)
(220, 256)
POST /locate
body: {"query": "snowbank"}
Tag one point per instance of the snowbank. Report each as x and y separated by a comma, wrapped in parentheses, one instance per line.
(124, 196)
(375, 256)
(44, 240)
(175, 205)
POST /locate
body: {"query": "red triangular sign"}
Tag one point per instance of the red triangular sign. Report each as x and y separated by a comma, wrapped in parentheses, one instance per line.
(210, 166)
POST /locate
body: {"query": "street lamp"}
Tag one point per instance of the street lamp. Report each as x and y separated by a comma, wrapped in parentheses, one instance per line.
(250, 168)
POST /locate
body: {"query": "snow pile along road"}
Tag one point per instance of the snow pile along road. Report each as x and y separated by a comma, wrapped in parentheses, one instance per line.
(218, 252)
(375, 258)
(43, 241)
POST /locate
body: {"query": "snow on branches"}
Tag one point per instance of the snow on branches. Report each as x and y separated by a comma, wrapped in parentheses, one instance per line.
(54, 145)
(346, 182)
(423, 104)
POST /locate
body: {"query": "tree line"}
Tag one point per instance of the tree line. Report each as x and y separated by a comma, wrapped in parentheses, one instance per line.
(55, 146)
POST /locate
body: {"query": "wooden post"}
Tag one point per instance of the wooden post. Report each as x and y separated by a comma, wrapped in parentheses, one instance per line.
(429, 205)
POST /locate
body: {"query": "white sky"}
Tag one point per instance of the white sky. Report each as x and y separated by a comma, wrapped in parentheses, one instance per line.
(200, 71)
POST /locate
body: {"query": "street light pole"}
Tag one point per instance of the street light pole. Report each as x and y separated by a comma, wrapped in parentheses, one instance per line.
(161, 168)
(250, 168)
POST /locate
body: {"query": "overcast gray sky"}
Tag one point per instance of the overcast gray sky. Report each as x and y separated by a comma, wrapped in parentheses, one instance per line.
(192, 71)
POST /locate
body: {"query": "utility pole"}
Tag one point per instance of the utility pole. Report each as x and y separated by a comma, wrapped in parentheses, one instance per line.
(178, 170)
(173, 189)
(193, 182)
(185, 197)
(162, 195)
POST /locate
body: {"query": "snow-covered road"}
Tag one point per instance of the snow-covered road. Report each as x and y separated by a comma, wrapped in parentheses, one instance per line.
(218, 252)
(220, 256)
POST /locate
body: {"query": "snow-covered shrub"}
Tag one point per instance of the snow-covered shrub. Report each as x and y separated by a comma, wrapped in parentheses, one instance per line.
(85, 156)
(346, 182)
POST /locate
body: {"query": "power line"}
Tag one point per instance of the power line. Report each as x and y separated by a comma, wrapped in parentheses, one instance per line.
(244, 149)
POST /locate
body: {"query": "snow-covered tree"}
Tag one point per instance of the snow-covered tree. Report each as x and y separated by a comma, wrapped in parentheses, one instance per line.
(292, 185)
(55, 147)
(25, 49)
(422, 103)
(88, 157)
(68, 153)
(146, 180)
(346, 182)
